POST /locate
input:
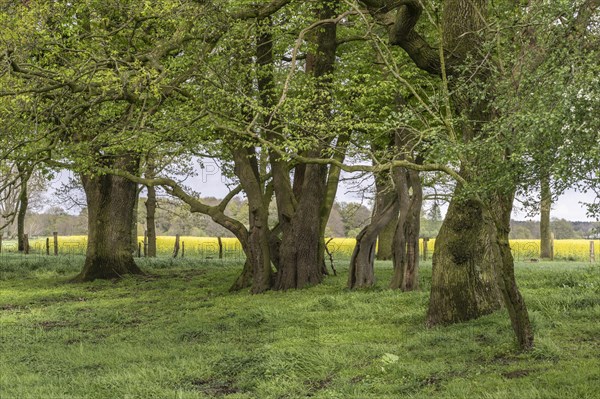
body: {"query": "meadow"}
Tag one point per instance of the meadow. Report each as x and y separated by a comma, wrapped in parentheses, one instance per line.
(208, 247)
(178, 333)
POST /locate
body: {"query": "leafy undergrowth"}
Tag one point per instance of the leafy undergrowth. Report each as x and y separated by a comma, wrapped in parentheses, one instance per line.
(178, 333)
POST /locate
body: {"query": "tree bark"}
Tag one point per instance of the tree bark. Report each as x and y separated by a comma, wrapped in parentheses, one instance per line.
(406, 237)
(545, 205)
(463, 283)
(385, 195)
(258, 246)
(302, 249)
(151, 213)
(134, 221)
(362, 273)
(110, 201)
(23, 205)
(505, 272)
(301, 252)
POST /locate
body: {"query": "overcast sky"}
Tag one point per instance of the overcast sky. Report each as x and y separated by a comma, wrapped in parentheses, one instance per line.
(210, 183)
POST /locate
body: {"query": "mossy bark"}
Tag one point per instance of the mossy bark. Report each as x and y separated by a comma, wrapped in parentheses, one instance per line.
(505, 273)
(463, 282)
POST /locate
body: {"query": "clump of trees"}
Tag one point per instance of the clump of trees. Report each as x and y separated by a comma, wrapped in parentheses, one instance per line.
(286, 95)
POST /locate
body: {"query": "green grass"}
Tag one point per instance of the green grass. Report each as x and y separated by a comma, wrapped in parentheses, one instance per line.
(178, 333)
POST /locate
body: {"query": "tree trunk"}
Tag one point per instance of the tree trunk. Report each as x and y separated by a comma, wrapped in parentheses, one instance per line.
(463, 284)
(244, 280)
(151, 222)
(333, 180)
(258, 246)
(134, 221)
(385, 196)
(406, 238)
(301, 252)
(362, 273)
(505, 273)
(23, 204)
(110, 201)
(545, 205)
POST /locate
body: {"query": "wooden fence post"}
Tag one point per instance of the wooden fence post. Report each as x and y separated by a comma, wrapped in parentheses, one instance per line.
(47, 245)
(1, 233)
(592, 252)
(55, 237)
(26, 244)
(220, 247)
(551, 246)
(140, 250)
(176, 248)
(182, 249)
(425, 241)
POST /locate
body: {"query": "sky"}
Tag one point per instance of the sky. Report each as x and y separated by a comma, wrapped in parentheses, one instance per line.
(209, 182)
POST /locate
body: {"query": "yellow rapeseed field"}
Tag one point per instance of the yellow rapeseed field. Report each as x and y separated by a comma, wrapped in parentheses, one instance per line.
(208, 247)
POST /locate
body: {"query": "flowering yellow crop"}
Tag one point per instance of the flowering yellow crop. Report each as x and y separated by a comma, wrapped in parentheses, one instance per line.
(208, 247)
(563, 249)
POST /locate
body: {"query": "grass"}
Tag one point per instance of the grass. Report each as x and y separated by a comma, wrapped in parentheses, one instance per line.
(178, 333)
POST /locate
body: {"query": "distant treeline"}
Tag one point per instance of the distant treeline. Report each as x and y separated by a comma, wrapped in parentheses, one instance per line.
(346, 220)
(560, 227)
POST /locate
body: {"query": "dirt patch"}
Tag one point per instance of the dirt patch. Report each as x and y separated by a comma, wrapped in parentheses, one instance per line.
(215, 388)
(356, 379)
(10, 307)
(516, 373)
(432, 380)
(504, 358)
(318, 385)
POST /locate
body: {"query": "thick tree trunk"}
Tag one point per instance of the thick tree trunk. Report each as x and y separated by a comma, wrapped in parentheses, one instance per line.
(463, 283)
(151, 221)
(505, 273)
(302, 249)
(301, 252)
(110, 201)
(362, 272)
(545, 205)
(406, 238)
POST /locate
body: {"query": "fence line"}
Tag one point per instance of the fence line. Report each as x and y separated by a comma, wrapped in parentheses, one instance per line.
(230, 248)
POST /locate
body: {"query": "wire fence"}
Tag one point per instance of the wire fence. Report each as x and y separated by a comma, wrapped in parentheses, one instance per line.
(230, 249)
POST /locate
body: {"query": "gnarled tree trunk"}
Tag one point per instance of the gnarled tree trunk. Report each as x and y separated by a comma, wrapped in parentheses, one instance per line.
(406, 238)
(501, 209)
(463, 283)
(361, 273)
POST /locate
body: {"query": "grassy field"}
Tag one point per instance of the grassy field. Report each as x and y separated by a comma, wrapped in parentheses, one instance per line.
(178, 333)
